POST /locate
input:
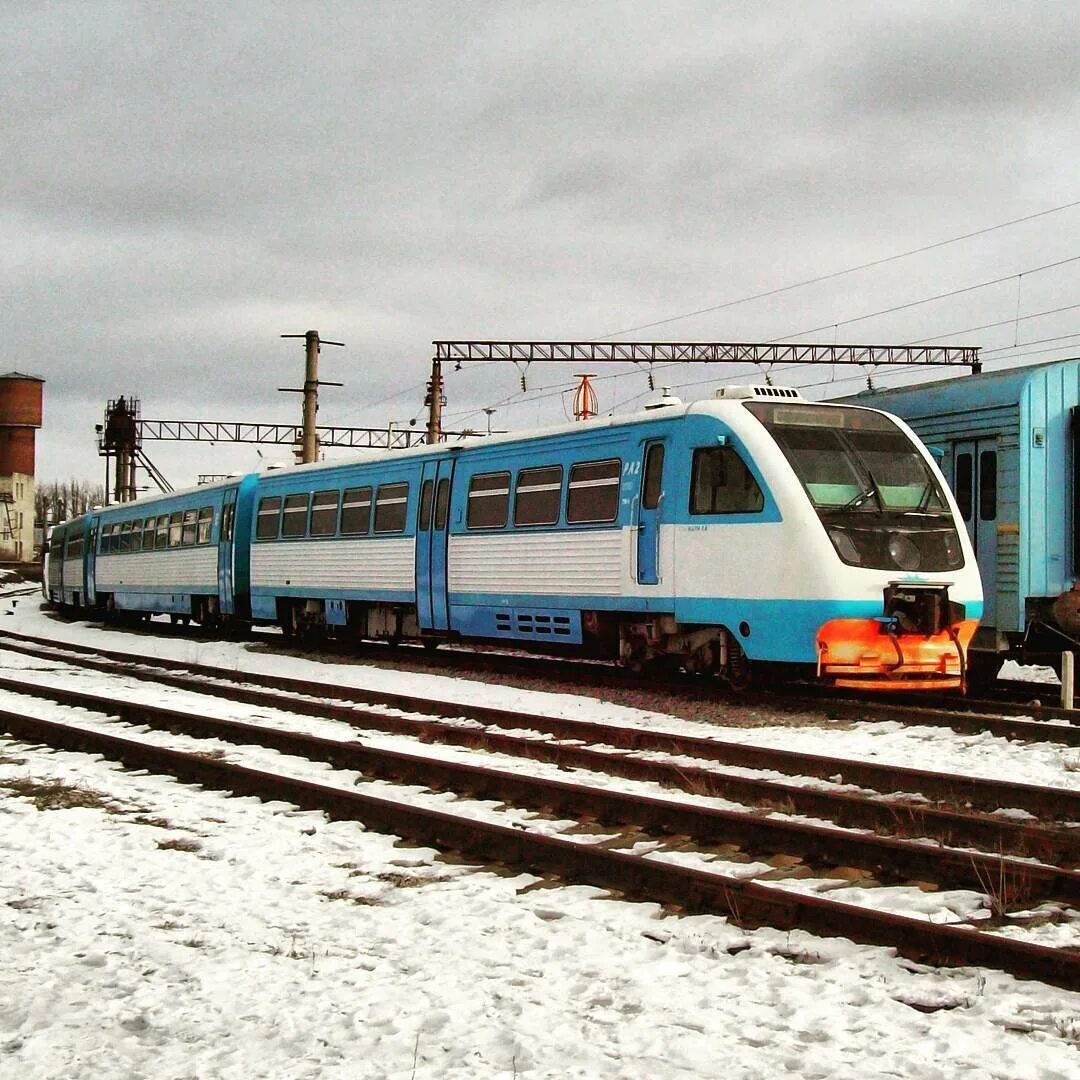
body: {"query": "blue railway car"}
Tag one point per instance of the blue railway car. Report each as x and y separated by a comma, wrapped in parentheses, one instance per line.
(1010, 443)
(170, 554)
(752, 529)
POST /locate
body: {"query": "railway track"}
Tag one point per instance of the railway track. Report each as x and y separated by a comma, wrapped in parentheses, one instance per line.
(1009, 719)
(657, 823)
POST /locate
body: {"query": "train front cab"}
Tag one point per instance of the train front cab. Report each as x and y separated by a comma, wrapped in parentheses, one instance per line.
(900, 564)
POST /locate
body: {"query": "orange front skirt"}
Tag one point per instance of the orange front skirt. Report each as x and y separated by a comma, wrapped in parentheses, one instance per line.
(864, 653)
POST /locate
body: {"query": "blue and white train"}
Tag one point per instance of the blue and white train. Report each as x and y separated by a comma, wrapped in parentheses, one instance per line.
(749, 530)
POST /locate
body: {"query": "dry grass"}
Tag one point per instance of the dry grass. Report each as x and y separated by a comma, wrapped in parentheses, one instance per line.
(152, 822)
(180, 843)
(1004, 890)
(52, 794)
(344, 894)
(407, 881)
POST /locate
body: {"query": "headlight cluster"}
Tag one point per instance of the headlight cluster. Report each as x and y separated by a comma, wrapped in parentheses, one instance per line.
(898, 548)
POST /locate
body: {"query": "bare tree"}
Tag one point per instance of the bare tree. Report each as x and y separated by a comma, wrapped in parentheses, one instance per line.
(57, 501)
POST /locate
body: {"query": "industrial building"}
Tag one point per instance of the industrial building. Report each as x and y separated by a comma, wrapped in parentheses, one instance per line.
(20, 417)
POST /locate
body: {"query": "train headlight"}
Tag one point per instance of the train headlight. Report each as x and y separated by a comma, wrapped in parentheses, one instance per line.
(953, 554)
(845, 547)
(903, 552)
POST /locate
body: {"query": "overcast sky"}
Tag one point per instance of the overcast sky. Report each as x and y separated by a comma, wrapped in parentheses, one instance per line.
(182, 183)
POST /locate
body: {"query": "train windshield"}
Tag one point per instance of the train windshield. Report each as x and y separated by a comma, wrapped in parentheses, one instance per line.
(852, 459)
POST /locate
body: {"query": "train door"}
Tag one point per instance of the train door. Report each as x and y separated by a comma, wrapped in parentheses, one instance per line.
(90, 560)
(975, 484)
(432, 537)
(238, 555)
(227, 529)
(648, 513)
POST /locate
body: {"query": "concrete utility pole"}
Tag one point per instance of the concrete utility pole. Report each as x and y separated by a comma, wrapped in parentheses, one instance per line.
(309, 439)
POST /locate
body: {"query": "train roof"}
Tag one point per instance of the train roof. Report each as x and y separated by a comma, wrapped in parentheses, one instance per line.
(986, 390)
(665, 408)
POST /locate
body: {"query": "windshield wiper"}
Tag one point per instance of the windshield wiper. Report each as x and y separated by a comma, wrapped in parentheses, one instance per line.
(928, 490)
(872, 491)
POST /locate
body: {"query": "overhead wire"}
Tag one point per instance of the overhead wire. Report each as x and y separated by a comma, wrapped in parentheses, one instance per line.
(835, 324)
(841, 273)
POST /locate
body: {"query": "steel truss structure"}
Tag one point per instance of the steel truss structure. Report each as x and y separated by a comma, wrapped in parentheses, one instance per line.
(697, 352)
(276, 434)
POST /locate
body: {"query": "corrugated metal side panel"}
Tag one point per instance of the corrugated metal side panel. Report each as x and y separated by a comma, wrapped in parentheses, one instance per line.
(1047, 506)
(583, 563)
(73, 574)
(184, 568)
(360, 565)
(974, 424)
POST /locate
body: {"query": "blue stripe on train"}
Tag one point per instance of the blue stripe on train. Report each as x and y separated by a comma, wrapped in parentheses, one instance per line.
(780, 630)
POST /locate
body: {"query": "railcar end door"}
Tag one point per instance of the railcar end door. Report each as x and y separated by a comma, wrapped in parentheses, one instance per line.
(432, 538)
(90, 560)
(648, 513)
(975, 484)
(226, 532)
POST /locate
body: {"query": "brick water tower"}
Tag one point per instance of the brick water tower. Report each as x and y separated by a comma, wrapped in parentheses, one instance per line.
(20, 417)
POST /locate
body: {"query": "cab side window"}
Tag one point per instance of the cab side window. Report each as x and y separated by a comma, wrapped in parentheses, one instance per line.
(720, 483)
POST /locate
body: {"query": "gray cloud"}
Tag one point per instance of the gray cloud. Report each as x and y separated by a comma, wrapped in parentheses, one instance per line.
(183, 183)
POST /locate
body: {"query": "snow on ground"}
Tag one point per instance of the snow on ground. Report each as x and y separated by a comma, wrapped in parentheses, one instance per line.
(166, 931)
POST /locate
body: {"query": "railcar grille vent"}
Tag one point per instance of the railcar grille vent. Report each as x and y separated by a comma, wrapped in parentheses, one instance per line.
(523, 624)
(757, 391)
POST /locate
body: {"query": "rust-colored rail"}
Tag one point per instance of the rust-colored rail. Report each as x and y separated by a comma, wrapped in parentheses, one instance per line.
(1046, 803)
(1054, 845)
(886, 858)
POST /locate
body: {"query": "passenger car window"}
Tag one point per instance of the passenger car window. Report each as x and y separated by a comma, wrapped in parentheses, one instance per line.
(391, 504)
(720, 483)
(489, 501)
(356, 511)
(593, 491)
(536, 500)
(266, 525)
(294, 516)
(206, 524)
(324, 513)
(190, 530)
